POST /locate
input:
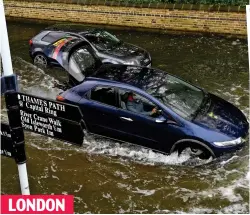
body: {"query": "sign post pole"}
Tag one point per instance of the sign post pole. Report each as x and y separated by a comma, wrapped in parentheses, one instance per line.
(248, 30)
(6, 58)
(18, 140)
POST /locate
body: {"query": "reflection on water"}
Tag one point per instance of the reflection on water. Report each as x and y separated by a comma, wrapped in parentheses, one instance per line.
(109, 177)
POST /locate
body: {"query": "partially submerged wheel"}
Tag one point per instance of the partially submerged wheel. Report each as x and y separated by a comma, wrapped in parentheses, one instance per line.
(41, 61)
(194, 150)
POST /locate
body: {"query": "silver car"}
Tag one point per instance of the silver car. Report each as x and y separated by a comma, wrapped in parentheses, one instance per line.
(107, 47)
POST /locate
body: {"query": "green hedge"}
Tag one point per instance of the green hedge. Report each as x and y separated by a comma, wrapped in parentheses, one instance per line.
(206, 2)
(211, 2)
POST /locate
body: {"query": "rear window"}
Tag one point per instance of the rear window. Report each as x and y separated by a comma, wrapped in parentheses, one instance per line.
(53, 36)
(104, 94)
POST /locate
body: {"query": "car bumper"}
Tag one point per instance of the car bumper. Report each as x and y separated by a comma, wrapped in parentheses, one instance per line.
(228, 150)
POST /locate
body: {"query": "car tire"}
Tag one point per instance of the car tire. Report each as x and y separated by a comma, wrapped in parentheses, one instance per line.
(194, 149)
(40, 60)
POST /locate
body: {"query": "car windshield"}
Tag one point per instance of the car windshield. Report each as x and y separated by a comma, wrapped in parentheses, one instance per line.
(181, 97)
(103, 40)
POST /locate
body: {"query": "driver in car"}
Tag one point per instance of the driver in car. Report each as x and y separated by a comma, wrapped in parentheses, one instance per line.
(137, 106)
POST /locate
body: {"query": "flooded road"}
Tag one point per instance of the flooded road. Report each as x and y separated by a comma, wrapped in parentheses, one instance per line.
(109, 177)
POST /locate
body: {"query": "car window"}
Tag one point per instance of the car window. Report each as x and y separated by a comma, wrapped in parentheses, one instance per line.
(134, 102)
(103, 40)
(53, 36)
(103, 94)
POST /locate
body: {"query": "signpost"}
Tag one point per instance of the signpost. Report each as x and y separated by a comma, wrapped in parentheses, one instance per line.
(49, 107)
(51, 118)
(35, 114)
(16, 132)
(6, 141)
(248, 30)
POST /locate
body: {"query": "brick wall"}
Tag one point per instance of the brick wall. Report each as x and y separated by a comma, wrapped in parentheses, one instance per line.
(166, 19)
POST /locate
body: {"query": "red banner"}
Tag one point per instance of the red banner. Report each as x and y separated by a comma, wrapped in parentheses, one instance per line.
(37, 204)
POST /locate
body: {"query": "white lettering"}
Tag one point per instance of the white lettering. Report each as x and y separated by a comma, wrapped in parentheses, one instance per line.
(52, 204)
(4, 152)
(27, 127)
(54, 122)
(37, 205)
(56, 106)
(25, 119)
(40, 130)
(32, 100)
(60, 204)
(20, 205)
(34, 107)
(10, 206)
(52, 112)
(40, 205)
(31, 205)
(5, 133)
(39, 118)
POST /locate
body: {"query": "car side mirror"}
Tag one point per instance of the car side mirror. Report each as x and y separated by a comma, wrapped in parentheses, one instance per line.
(160, 119)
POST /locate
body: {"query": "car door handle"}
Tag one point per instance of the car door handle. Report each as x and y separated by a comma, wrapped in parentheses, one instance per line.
(127, 119)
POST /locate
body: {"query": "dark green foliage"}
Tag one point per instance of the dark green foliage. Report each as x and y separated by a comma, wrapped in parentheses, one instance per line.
(208, 2)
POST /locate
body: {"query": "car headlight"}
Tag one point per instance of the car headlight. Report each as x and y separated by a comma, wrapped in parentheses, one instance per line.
(229, 143)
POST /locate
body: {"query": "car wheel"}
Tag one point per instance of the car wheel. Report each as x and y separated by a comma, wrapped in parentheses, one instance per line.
(194, 150)
(41, 61)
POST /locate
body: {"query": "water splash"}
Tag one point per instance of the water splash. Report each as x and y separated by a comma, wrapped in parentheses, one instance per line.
(34, 80)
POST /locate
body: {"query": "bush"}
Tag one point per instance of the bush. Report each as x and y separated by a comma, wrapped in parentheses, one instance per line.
(211, 2)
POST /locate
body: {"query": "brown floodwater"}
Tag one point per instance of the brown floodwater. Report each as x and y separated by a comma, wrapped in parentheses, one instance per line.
(109, 177)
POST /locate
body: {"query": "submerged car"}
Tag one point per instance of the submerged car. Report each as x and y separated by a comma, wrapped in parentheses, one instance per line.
(107, 47)
(152, 108)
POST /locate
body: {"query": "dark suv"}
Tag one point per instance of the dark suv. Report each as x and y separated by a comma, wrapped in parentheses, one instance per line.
(107, 47)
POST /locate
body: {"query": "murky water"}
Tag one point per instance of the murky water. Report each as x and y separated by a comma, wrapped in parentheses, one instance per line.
(109, 177)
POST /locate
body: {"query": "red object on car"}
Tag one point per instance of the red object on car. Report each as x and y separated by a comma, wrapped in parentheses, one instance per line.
(60, 98)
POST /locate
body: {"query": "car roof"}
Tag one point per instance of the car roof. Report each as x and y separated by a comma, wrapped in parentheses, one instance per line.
(91, 82)
(72, 28)
(137, 76)
(130, 77)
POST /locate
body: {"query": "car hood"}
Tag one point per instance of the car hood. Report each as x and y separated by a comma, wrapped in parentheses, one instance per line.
(221, 116)
(125, 50)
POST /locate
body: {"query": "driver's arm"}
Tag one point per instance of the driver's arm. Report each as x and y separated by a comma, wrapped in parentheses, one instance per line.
(138, 108)
(149, 113)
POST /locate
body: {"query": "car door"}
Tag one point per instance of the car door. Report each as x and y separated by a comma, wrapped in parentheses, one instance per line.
(143, 129)
(100, 111)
